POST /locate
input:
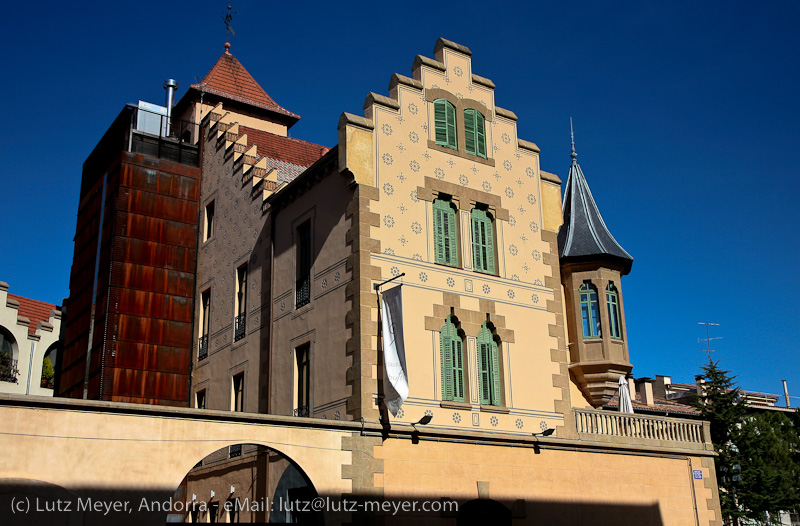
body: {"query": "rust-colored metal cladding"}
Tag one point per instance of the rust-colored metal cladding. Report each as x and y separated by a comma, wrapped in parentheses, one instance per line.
(130, 310)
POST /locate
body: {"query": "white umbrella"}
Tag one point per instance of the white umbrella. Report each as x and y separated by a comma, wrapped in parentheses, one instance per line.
(625, 405)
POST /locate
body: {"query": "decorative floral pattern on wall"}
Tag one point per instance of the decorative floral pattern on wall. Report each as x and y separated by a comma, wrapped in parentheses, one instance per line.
(387, 159)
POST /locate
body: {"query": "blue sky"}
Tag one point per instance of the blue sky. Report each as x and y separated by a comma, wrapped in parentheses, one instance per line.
(685, 119)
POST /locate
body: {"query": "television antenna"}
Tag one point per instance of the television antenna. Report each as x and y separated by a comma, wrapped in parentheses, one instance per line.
(708, 350)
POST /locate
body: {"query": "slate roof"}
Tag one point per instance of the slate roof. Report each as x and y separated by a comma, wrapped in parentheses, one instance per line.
(230, 80)
(584, 235)
(34, 310)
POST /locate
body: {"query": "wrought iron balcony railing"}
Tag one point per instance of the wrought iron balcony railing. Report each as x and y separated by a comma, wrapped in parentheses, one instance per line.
(301, 411)
(239, 327)
(303, 292)
(202, 348)
(8, 370)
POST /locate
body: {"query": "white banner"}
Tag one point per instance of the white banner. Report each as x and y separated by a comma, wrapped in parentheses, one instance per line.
(395, 381)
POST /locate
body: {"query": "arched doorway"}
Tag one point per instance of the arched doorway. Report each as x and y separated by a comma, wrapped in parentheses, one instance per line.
(244, 483)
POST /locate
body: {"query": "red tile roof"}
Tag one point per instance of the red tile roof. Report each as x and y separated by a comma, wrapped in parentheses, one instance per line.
(282, 148)
(34, 310)
(229, 79)
(661, 405)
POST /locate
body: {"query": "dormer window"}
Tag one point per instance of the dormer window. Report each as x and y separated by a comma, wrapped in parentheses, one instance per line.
(475, 133)
(444, 115)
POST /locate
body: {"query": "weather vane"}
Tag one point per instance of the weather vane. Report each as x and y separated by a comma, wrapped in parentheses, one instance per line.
(227, 19)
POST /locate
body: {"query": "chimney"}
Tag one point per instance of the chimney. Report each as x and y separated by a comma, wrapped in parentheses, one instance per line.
(661, 387)
(645, 389)
(171, 85)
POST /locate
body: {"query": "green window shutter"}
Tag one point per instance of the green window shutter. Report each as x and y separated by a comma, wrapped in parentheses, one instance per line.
(452, 142)
(445, 233)
(484, 359)
(440, 120)
(458, 368)
(469, 131)
(489, 368)
(482, 241)
(438, 232)
(444, 117)
(447, 362)
(496, 395)
(480, 135)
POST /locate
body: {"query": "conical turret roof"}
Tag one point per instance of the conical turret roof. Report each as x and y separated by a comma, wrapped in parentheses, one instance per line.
(584, 235)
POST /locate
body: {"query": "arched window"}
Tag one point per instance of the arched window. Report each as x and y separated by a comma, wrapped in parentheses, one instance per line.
(8, 357)
(614, 318)
(482, 241)
(452, 354)
(445, 232)
(489, 365)
(590, 311)
(444, 116)
(475, 132)
(48, 367)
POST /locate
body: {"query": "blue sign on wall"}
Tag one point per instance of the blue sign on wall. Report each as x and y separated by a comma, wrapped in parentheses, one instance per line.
(697, 474)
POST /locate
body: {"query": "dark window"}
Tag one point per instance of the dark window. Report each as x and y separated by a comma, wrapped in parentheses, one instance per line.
(241, 303)
(201, 399)
(303, 290)
(209, 231)
(238, 392)
(303, 380)
(614, 318)
(205, 314)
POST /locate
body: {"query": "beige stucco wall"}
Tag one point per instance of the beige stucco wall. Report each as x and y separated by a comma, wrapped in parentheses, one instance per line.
(101, 448)
(560, 487)
(408, 172)
(30, 348)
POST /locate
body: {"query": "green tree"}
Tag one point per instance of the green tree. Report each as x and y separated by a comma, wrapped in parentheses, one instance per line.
(758, 468)
(47, 373)
(720, 403)
(768, 446)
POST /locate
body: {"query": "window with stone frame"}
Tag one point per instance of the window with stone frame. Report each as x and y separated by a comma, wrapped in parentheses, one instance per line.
(452, 362)
(445, 232)
(490, 387)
